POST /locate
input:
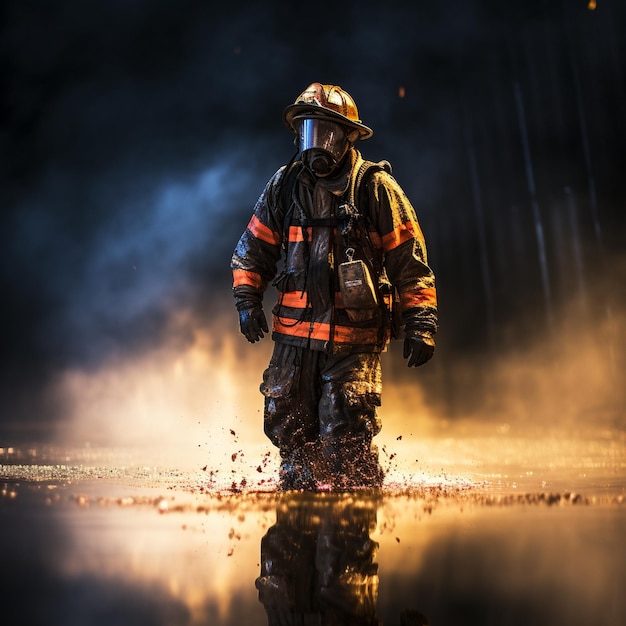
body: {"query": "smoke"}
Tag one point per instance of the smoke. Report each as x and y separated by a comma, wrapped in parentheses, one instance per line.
(197, 403)
(188, 403)
(142, 262)
(136, 138)
(566, 380)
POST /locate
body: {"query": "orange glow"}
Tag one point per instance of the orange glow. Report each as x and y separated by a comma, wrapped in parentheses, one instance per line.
(204, 553)
(194, 403)
(401, 92)
(591, 5)
(189, 405)
(190, 548)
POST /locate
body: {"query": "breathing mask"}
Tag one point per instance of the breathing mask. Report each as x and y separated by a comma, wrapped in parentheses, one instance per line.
(322, 143)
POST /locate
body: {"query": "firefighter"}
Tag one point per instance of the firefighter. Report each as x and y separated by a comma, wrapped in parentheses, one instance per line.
(340, 242)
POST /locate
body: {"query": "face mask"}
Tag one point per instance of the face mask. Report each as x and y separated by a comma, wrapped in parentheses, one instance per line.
(322, 144)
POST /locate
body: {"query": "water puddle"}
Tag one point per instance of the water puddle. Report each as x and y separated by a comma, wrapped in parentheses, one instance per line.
(95, 537)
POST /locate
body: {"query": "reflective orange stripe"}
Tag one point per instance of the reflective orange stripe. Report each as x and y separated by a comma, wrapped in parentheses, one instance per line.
(293, 299)
(296, 234)
(243, 277)
(421, 297)
(262, 232)
(298, 300)
(286, 326)
(404, 232)
(356, 335)
(321, 331)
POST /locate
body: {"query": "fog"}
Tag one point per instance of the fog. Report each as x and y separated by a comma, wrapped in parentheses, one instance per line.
(136, 139)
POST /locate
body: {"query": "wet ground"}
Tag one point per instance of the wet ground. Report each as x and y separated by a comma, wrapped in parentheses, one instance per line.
(470, 528)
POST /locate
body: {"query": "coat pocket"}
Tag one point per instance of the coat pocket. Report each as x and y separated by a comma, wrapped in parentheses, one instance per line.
(279, 376)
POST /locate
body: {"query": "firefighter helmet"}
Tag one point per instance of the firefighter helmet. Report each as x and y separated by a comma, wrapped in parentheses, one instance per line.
(326, 101)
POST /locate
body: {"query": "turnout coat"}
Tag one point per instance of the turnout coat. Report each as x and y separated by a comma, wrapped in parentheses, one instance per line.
(302, 236)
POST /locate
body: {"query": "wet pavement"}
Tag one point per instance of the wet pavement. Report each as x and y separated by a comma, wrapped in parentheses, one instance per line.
(491, 529)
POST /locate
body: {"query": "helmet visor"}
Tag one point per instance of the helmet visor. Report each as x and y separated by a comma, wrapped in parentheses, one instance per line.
(324, 134)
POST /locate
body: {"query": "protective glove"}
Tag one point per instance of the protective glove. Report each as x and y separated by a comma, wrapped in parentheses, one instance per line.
(419, 347)
(252, 322)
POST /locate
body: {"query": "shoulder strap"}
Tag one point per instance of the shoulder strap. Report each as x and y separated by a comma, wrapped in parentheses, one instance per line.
(388, 292)
(356, 210)
(364, 168)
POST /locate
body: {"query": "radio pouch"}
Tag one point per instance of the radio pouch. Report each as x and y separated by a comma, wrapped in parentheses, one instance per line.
(358, 292)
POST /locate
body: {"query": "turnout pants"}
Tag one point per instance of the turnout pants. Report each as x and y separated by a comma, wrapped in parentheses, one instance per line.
(320, 411)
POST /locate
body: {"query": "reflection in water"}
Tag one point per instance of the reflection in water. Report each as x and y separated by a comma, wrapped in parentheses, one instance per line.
(318, 562)
(537, 538)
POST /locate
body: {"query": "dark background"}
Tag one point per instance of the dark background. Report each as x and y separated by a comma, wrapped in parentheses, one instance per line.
(136, 135)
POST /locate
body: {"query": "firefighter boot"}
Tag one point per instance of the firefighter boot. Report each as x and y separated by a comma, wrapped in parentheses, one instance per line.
(302, 468)
(353, 463)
